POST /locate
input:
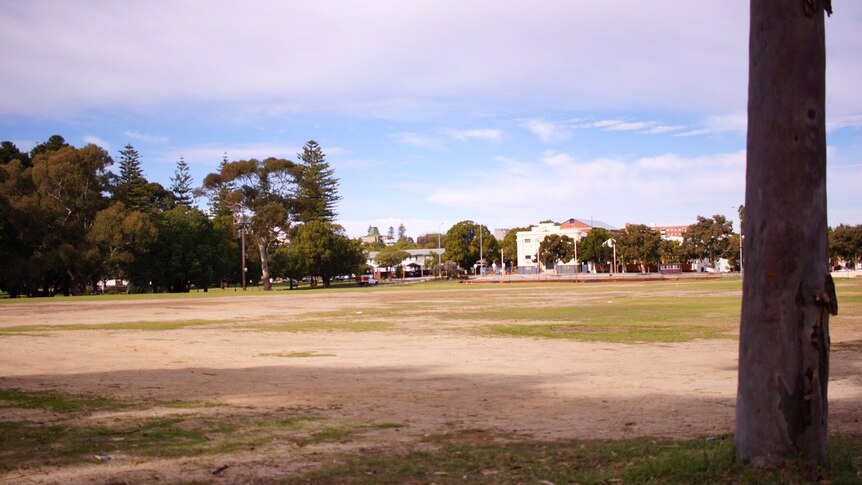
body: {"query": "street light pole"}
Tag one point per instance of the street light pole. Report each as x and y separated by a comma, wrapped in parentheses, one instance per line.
(439, 253)
(481, 262)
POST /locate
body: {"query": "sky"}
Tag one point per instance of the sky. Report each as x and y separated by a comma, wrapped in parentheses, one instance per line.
(431, 112)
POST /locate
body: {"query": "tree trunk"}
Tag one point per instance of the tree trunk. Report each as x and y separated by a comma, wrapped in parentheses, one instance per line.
(264, 266)
(782, 410)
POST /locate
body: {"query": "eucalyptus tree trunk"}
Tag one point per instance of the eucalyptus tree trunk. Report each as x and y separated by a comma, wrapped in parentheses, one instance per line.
(264, 265)
(782, 410)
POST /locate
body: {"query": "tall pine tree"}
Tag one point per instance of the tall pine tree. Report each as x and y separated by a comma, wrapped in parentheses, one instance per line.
(181, 184)
(132, 188)
(316, 192)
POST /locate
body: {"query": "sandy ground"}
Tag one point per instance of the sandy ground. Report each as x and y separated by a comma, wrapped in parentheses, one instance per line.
(432, 382)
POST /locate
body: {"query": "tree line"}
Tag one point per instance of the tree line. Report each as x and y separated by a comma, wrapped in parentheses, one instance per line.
(67, 222)
(709, 239)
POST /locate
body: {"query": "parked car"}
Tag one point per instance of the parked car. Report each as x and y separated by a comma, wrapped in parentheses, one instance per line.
(367, 280)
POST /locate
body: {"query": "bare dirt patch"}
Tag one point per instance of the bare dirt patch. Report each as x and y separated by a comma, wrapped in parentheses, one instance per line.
(372, 391)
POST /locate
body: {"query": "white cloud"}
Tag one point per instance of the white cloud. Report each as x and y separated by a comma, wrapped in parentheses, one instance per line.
(97, 141)
(661, 129)
(144, 137)
(841, 122)
(487, 134)
(650, 58)
(417, 140)
(734, 123)
(631, 126)
(212, 155)
(674, 187)
(547, 131)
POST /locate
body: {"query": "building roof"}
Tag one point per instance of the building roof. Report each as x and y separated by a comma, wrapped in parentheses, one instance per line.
(588, 223)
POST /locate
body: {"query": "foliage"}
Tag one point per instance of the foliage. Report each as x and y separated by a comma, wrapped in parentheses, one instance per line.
(593, 248)
(670, 251)
(463, 244)
(49, 208)
(845, 243)
(639, 244)
(391, 257)
(181, 184)
(187, 251)
(132, 188)
(708, 239)
(430, 241)
(320, 249)
(316, 192)
(9, 152)
(261, 193)
(509, 245)
(52, 144)
(556, 248)
(121, 237)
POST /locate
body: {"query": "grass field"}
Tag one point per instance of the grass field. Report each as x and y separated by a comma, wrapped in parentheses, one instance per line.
(55, 425)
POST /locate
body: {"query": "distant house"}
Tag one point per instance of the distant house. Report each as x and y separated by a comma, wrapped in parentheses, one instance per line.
(671, 233)
(373, 236)
(413, 264)
(529, 241)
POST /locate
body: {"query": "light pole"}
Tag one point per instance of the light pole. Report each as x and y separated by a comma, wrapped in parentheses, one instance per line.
(439, 253)
(242, 221)
(481, 262)
(613, 244)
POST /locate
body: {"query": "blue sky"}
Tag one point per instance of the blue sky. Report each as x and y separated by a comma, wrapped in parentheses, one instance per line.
(431, 112)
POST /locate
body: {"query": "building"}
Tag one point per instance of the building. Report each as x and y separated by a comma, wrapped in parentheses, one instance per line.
(529, 241)
(413, 264)
(671, 233)
(373, 236)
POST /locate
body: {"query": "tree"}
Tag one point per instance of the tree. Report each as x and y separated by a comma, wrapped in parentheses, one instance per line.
(181, 184)
(639, 244)
(431, 240)
(54, 143)
(321, 249)
(391, 257)
(593, 248)
(845, 243)
(402, 231)
(782, 407)
(509, 246)
(261, 191)
(708, 239)
(187, 251)
(316, 192)
(132, 188)
(556, 248)
(121, 236)
(50, 207)
(670, 251)
(9, 152)
(219, 192)
(390, 233)
(463, 244)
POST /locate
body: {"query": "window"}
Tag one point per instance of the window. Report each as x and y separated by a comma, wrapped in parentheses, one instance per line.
(526, 240)
(528, 258)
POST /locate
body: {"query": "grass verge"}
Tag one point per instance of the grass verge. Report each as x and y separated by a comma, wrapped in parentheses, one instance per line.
(586, 462)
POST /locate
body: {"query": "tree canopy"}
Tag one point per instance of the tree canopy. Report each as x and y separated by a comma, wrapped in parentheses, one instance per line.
(639, 244)
(316, 189)
(462, 244)
(555, 248)
(708, 239)
(261, 192)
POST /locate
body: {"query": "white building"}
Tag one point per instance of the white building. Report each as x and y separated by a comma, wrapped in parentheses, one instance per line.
(529, 241)
(414, 263)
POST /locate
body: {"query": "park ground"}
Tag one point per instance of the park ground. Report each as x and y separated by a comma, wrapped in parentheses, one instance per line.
(490, 383)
